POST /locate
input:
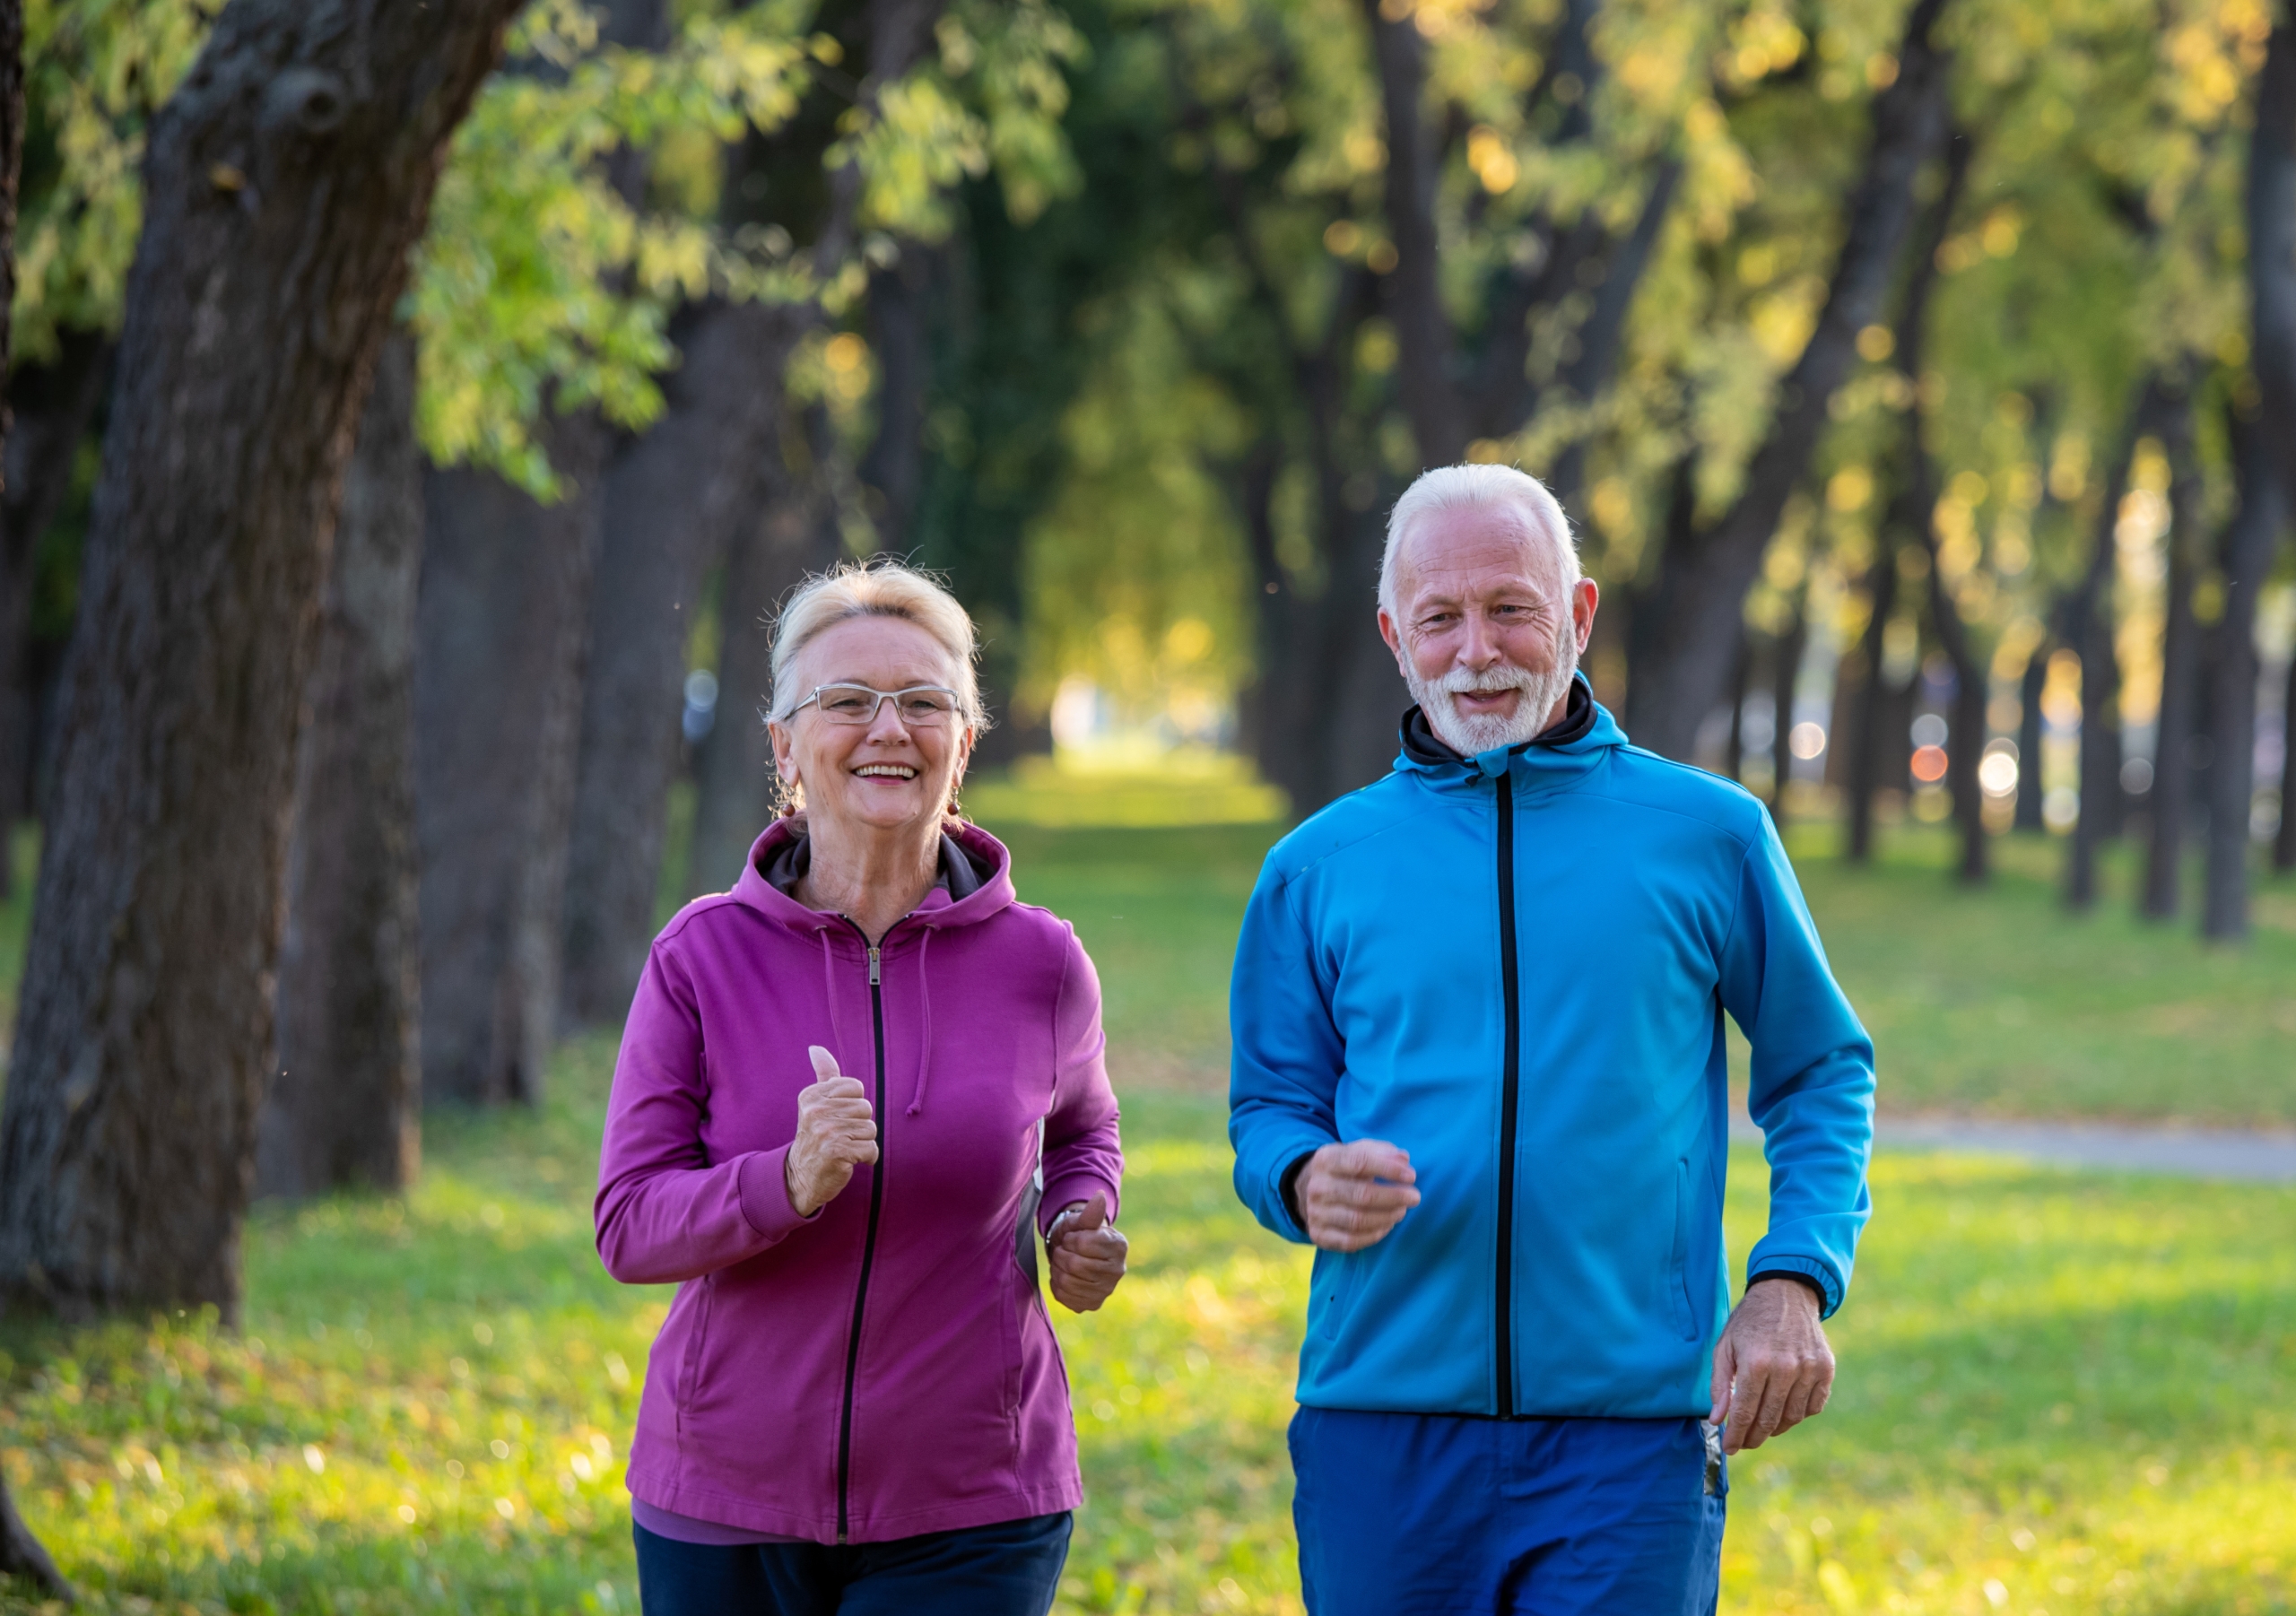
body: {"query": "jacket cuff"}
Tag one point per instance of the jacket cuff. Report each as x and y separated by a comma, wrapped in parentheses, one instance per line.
(1817, 1276)
(764, 1184)
(1076, 1186)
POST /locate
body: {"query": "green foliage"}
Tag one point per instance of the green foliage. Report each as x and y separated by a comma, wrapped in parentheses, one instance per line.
(540, 285)
(95, 73)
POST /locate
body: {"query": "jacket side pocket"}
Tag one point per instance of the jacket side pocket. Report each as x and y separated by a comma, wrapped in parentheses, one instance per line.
(688, 1380)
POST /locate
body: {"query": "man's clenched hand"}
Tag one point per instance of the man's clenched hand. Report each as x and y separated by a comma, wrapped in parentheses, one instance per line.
(1351, 1194)
(1087, 1255)
(1772, 1369)
(836, 1132)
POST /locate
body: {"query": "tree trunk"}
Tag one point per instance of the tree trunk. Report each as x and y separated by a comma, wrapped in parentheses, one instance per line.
(734, 779)
(1697, 602)
(2030, 736)
(21, 1555)
(345, 1106)
(50, 404)
(2271, 281)
(2283, 844)
(283, 183)
(1869, 745)
(675, 501)
(501, 635)
(2246, 560)
(1734, 748)
(1785, 674)
(2089, 631)
(2172, 748)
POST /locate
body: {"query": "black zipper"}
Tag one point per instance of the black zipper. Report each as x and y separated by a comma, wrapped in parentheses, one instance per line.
(868, 1243)
(1510, 1073)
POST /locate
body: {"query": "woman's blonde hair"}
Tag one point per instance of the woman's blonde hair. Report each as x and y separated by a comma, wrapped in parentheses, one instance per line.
(878, 588)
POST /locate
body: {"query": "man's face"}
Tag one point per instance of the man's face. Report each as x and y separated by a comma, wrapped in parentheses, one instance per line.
(1484, 630)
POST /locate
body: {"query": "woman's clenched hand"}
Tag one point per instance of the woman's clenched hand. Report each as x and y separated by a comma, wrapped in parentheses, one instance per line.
(1087, 1255)
(836, 1132)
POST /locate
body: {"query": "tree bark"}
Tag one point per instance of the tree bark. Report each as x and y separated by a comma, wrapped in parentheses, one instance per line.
(2249, 541)
(1734, 747)
(501, 636)
(345, 1106)
(1786, 672)
(676, 501)
(283, 183)
(2172, 749)
(1699, 603)
(2089, 631)
(1415, 291)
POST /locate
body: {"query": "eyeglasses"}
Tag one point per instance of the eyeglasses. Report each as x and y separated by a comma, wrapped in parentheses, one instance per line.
(919, 706)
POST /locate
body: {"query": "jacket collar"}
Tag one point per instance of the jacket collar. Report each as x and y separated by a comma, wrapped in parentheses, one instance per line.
(976, 871)
(1571, 747)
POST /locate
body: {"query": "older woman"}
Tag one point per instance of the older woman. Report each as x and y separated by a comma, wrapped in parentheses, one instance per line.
(851, 1093)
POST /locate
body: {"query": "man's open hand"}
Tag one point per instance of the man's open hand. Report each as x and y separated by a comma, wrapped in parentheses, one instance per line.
(1351, 1194)
(836, 1132)
(1772, 1369)
(1087, 1255)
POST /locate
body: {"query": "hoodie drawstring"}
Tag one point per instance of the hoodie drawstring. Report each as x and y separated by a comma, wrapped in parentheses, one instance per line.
(924, 1011)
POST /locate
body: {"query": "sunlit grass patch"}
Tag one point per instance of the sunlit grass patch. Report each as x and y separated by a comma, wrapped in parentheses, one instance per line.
(1184, 787)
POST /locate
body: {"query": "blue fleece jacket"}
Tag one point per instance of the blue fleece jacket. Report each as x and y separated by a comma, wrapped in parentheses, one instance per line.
(1515, 966)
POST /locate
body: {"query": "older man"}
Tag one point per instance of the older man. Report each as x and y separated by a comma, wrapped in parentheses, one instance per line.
(1479, 1065)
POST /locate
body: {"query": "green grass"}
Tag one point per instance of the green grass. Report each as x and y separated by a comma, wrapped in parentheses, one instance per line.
(2059, 1392)
(2072, 1386)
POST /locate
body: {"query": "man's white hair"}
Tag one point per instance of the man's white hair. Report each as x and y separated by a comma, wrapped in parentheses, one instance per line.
(1487, 487)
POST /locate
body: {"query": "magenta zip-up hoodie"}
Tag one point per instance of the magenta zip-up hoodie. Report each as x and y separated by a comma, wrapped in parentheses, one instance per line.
(886, 1367)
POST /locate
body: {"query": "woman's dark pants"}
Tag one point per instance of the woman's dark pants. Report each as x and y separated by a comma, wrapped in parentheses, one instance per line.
(1010, 1569)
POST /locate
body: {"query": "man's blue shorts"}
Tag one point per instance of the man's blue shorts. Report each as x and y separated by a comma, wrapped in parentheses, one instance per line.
(1401, 1514)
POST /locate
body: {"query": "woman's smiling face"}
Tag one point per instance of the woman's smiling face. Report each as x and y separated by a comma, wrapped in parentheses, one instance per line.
(883, 774)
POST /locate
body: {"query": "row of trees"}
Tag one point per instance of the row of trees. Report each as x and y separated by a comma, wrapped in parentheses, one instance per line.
(405, 404)
(405, 407)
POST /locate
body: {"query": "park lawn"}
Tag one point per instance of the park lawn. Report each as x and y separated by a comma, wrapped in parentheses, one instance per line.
(2070, 1387)
(1997, 1002)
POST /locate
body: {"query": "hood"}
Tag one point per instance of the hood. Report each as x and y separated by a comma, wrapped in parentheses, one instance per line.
(1565, 752)
(990, 893)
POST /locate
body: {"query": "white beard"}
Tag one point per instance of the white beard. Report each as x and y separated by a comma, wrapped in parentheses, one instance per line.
(1482, 733)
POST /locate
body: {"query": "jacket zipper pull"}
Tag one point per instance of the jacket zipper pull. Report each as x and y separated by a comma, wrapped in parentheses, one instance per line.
(873, 966)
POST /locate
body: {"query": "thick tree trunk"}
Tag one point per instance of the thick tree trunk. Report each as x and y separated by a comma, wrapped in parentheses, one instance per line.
(346, 1107)
(675, 501)
(2180, 693)
(2089, 630)
(1698, 601)
(50, 404)
(1786, 672)
(283, 185)
(2246, 561)
(1415, 293)
(501, 635)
